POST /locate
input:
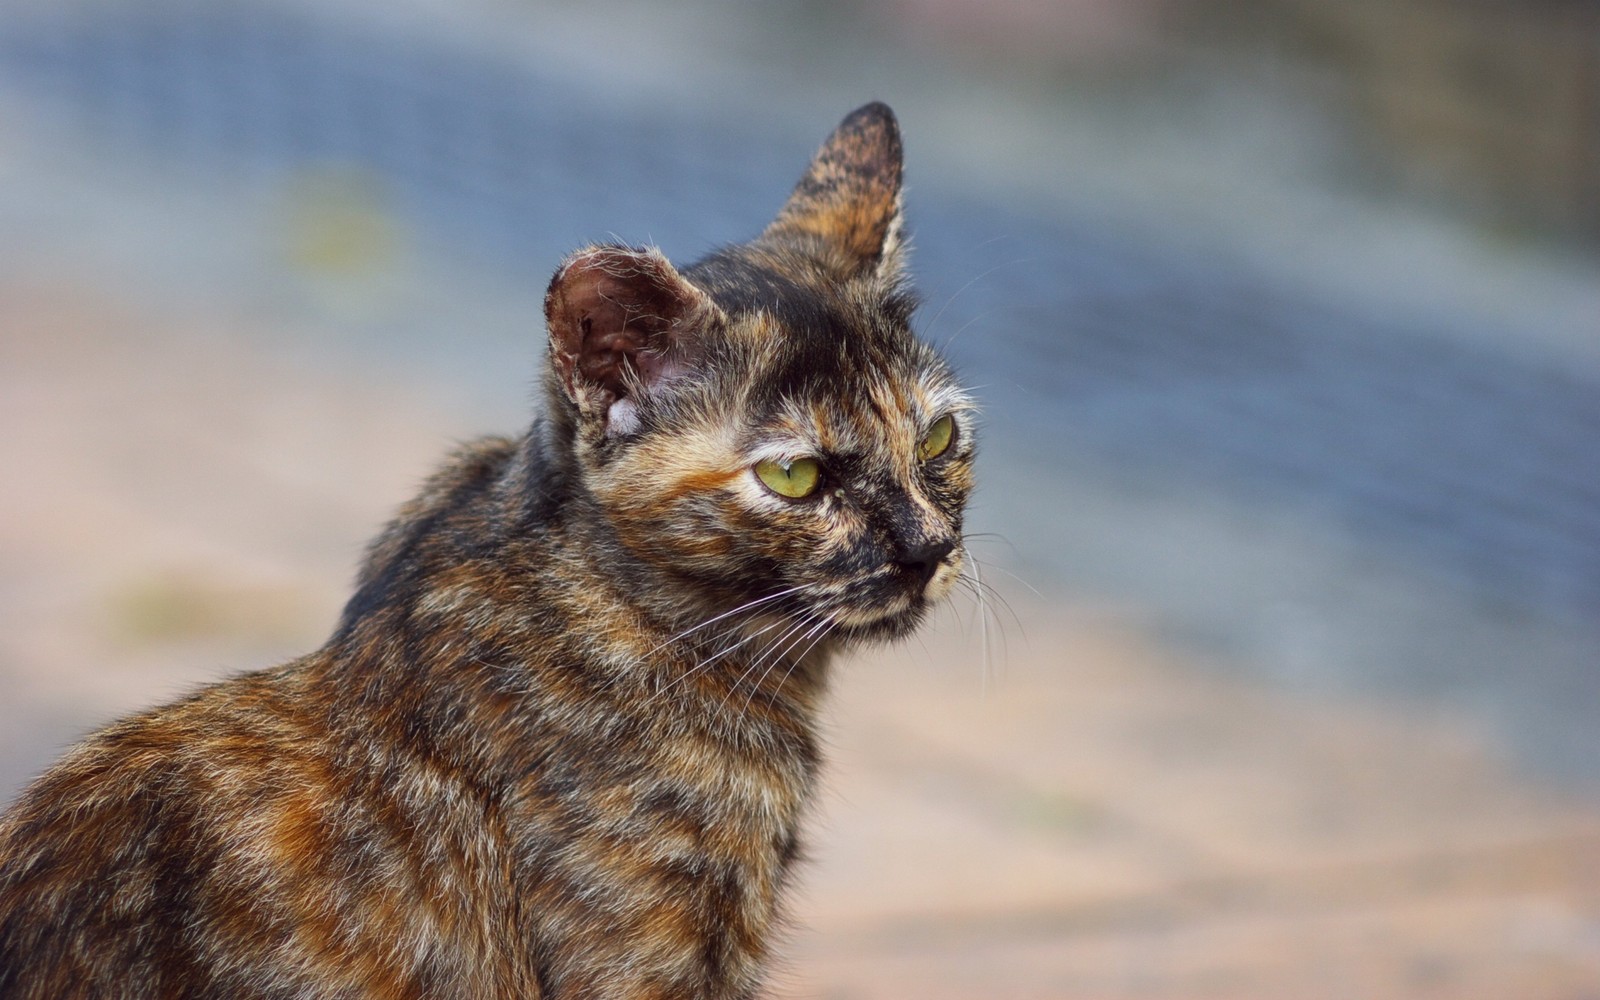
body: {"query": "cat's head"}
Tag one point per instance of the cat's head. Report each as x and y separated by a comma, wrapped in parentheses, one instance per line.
(763, 424)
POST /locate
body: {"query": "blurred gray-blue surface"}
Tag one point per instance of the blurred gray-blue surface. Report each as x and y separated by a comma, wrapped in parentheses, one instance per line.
(1099, 351)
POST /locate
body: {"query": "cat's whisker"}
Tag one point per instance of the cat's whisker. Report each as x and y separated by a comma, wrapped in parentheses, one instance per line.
(997, 596)
(793, 663)
(991, 598)
(978, 612)
(988, 536)
(990, 590)
(964, 288)
(818, 631)
(962, 329)
(748, 605)
(1031, 588)
(983, 617)
(735, 646)
(703, 665)
(795, 623)
(771, 653)
(745, 607)
(791, 640)
(986, 597)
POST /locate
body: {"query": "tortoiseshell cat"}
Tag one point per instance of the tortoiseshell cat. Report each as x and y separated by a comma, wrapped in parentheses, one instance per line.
(562, 740)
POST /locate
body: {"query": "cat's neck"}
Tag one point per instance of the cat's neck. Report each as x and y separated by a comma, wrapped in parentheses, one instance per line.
(503, 563)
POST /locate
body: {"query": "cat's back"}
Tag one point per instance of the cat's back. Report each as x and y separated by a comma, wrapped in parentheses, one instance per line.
(293, 832)
(126, 830)
(282, 833)
(227, 846)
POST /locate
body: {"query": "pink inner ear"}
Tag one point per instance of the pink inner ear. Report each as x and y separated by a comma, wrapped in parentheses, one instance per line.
(619, 317)
(609, 341)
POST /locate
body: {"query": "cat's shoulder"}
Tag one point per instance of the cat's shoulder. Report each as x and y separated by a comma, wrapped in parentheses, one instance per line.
(457, 495)
(469, 468)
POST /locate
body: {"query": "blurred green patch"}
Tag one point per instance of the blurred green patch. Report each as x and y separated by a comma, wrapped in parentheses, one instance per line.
(340, 223)
(1056, 813)
(178, 607)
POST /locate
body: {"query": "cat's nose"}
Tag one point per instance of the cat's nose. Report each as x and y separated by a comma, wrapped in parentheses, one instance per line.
(924, 560)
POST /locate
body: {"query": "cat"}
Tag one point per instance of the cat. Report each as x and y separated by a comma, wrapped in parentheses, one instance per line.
(563, 737)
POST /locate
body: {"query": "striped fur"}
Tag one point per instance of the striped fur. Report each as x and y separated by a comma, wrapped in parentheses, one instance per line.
(562, 741)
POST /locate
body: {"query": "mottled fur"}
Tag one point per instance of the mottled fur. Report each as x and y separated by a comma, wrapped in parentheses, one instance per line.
(563, 738)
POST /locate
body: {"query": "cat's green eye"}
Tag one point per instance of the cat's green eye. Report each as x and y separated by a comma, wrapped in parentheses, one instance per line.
(796, 479)
(937, 441)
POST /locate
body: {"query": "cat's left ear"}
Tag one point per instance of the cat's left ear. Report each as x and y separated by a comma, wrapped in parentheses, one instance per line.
(848, 203)
(623, 323)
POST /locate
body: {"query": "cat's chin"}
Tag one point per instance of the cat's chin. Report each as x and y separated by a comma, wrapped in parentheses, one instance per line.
(885, 627)
(900, 616)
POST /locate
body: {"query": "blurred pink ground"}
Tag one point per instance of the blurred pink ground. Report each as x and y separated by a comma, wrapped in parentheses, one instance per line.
(1089, 816)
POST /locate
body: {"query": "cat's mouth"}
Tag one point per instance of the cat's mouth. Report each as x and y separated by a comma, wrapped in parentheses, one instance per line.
(889, 604)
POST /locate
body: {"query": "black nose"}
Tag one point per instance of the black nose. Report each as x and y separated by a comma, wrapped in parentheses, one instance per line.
(923, 561)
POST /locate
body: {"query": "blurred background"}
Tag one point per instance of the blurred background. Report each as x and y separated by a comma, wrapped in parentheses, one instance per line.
(1285, 316)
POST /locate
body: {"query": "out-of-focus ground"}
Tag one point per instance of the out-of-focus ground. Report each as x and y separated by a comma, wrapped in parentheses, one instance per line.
(1290, 487)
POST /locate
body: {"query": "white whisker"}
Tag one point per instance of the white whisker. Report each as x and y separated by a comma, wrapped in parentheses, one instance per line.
(816, 633)
(1031, 588)
(699, 667)
(983, 616)
(713, 620)
(771, 653)
(928, 327)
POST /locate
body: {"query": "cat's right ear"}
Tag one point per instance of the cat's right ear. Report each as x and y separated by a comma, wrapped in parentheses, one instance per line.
(623, 325)
(848, 202)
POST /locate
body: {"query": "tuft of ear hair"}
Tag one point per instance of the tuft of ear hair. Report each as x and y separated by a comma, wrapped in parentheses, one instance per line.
(847, 206)
(623, 323)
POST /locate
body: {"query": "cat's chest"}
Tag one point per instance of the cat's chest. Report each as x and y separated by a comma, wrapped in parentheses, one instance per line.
(678, 782)
(658, 854)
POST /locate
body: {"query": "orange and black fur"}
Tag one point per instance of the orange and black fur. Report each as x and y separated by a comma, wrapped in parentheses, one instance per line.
(563, 738)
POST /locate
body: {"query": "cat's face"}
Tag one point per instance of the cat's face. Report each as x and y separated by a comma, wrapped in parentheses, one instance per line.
(764, 426)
